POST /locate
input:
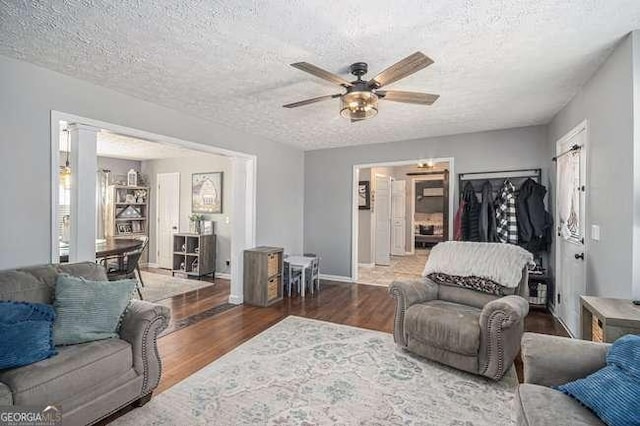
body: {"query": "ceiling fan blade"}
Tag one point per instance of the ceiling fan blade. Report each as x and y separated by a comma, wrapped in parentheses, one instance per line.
(399, 70)
(323, 74)
(311, 101)
(407, 97)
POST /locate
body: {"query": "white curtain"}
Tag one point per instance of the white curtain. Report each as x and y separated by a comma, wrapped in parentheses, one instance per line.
(102, 181)
(569, 194)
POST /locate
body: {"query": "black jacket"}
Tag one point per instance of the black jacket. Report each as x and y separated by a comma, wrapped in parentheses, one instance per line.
(470, 214)
(534, 222)
(487, 219)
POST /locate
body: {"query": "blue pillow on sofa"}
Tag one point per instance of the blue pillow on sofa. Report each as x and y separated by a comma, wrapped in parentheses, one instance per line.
(613, 393)
(89, 310)
(26, 333)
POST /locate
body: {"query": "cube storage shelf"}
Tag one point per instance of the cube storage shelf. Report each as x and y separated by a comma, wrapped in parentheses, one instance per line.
(263, 267)
(194, 255)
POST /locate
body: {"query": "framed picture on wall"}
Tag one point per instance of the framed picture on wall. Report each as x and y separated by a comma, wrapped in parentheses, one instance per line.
(364, 195)
(206, 192)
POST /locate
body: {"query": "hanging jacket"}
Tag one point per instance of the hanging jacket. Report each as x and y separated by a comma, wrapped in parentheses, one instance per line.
(525, 229)
(506, 219)
(457, 222)
(534, 222)
(487, 225)
(470, 214)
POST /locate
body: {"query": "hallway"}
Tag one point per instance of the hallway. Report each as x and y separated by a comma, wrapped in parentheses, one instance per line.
(401, 268)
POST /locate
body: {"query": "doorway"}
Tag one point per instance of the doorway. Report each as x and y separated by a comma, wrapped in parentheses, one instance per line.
(388, 236)
(571, 251)
(83, 236)
(168, 216)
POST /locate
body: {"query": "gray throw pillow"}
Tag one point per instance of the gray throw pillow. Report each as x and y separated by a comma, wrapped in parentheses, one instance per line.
(88, 310)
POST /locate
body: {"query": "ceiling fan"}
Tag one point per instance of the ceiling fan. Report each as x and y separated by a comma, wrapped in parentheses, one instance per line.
(360, 99)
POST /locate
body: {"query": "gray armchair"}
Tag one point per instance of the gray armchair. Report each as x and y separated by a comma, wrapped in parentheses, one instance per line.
(88, 381)
(552, 361)
(466, 329)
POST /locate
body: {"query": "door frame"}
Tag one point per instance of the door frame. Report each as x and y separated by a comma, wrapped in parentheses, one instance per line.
(404, 249)
(413, 207)
(582, 126)
(244, 185)
(158, 209)
(355, 209)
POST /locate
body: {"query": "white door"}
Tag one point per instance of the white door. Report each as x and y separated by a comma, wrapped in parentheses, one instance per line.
(382, 212)
(398, 217)
(570, 221)
(168, 220)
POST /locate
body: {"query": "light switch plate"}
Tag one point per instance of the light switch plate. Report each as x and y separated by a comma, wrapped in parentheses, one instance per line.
(595, 232)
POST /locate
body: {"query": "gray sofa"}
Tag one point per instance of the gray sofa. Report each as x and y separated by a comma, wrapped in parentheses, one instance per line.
(466, 329)
(92, 380)
(552, 361)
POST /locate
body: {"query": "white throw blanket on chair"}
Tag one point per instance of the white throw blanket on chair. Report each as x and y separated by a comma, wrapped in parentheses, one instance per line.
(502, 263)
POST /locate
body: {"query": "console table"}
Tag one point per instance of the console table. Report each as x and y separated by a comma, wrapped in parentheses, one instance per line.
(605, 319)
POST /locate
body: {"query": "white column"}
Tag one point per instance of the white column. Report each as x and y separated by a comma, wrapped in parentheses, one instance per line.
(84, 163)
(243, 221)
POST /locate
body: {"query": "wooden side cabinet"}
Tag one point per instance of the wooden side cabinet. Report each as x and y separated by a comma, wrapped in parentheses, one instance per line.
(263, 267)
(194, 255)
(605, 319)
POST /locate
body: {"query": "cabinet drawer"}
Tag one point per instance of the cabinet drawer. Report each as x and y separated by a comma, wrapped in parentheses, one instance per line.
(272, 288)
(273, 264)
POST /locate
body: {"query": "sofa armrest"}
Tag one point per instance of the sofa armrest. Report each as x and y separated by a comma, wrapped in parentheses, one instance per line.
(501, 328)
(553, 360)
(409, 293)
(141, 325)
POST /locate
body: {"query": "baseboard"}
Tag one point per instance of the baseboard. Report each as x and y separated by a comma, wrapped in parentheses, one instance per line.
(366, 265)
(223, 275)
(236, 300)
(563, 325)
(149, 265)
(373, 284)
(338, 278)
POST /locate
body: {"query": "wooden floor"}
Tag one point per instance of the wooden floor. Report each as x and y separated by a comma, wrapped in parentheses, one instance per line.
(187, 350)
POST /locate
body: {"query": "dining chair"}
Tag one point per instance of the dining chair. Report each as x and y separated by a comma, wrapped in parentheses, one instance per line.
(126, 266)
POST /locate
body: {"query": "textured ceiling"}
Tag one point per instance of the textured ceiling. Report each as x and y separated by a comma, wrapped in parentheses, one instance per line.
(113, 145)
(498, 64)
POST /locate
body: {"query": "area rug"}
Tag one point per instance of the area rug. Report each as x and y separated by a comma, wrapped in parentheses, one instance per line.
(309, 372)
(158, 286)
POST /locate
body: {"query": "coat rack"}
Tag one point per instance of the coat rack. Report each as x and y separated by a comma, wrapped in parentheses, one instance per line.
(497, 178)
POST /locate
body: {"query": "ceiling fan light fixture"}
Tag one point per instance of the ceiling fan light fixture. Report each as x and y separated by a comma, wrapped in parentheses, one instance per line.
(359, 105)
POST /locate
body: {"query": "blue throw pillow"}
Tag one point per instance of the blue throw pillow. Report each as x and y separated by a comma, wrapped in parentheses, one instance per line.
(26, 333)
(89, 310)
(613, 393)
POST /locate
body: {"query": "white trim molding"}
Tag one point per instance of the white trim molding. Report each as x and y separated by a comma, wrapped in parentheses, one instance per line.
(243, 194)
(338, 278)
(223, 275)
(355, 209)
(236, 300)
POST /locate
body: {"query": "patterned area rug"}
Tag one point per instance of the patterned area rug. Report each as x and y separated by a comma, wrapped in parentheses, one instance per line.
(308, 372)
(158, 286)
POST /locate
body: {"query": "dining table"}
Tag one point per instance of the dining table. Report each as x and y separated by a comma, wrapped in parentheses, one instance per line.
(106, 248)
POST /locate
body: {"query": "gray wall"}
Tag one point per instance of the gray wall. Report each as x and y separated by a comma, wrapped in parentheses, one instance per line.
(328, 178)
(187, 166)
(365, 217)
(606, 101)
(29, 93)
(118, 166)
